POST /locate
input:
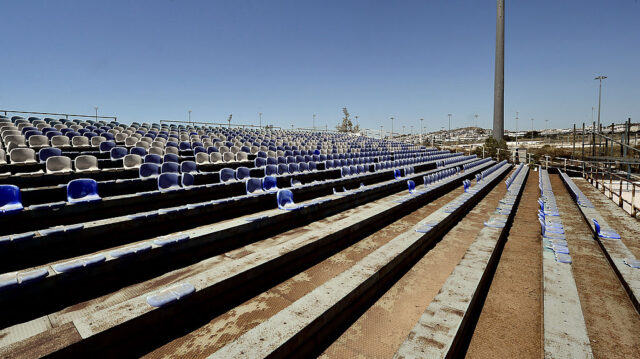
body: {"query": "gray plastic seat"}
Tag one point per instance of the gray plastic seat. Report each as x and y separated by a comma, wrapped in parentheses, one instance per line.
(242, 156)
(215, 157)
(60, 141)
(3, 157)
(19, 140)
(228, 157)
(132, 161)
(86, 163)
(156, 151)
(202, 158)
(23, 156)
(130, 141)
(96, 140)
(80, 141)
(38, 141)
(59, 165)
(171, 150)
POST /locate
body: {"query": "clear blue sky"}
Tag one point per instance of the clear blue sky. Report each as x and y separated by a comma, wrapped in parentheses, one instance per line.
(153, 60)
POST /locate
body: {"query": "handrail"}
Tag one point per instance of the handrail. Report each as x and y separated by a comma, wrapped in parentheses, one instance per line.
(217, 124)
(596, 173)
(58, 114)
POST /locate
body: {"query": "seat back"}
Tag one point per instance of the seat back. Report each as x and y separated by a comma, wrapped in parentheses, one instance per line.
(189, 167)
(117, 153)
(82, 190)
(149, 170)
(254, 185)
(10, 198)
(60, 141)
(168, 181)
(131, 161)
(45, 153)
(228, 157)
(241, 156)
(22, 155)
(38, 141)
(153, 159)
(260, 162)
(227, 174)
(57, 164)
(270, 170)
(86, 163)
(215, 157)
(171, 158)
(242, 173)
(80, 141)
(170, 167)
(269, 183)
(285, 199)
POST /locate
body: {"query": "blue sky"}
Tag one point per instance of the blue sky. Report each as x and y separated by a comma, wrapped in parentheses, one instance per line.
(154, 60)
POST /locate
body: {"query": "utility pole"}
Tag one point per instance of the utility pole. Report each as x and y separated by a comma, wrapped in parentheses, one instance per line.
(449, 133)
(314, 121)
(189, 116)
(498, 85)
(421, 129)
(229, 119)
(96, 108)
(600, 78)
(260, 115)
(380, 131)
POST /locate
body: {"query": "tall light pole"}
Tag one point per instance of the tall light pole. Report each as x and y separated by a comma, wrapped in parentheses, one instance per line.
(403, 130)
(189, 116)
(96, 108)
(260, 116)
(357, 123)
(498, 85)
(546, 126)
(516, 129)
(532, 129)
(449, 134)
(229, 119)
(476, 116)
(421, 130)
(391, 128)
(600, 78)
(314, 121)
(380, 131)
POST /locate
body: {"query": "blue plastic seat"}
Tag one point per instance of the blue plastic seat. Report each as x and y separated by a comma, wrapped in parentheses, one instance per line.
(227, 174)
(303, 167)
(153, 159)
(188, 167)
(10, 199)
(187, 179)
(242, 173)
(605, 233)
(149, 170)
(397, 174)
(82, 190)
(283, 169)
(260, 162)
(117, 153)
(270, 170)
(47, 152)
(345, 171)
(412, 186)
(184, 146)
(254, 186)
(138, 151)
(106, 146)
(293, 168)
(285, 200)
(170, 157)
(269, 183)
(168, 181)
(170, 167)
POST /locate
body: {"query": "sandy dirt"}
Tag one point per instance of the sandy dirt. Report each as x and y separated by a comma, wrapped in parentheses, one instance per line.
(612, 322)
(231, 325)
(510, 324)
(380, 331)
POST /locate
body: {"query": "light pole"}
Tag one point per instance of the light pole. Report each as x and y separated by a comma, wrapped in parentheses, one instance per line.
(314, 121)
(532, 129)
(403, 130)
(600, 78)
(380, 131)
(516, 129)
(260, 116)
(546, 129)
(449, 133)
(421, 130)
(391, 128)
(229, 119)
(357, 123)
(189, 116)
(476, 116)
(96, 108)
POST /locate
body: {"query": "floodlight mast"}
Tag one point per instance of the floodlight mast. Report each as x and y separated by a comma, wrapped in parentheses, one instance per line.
(498, 89)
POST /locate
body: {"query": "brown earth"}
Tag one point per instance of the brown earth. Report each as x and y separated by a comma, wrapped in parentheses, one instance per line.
(510, 324)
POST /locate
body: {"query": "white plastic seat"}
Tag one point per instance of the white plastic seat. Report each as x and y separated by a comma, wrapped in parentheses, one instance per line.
(131, 141)
(38, 141)
(171, 150)
(202, 158)
(23, 156)
(60, 141)
(86, 163)
(80, 141)
(96, 140)
(241, 156)
(155, 151)
(121, 137)
(228, 157)
(59, 165)
(215, 157)
(132, 161)
(143, 144)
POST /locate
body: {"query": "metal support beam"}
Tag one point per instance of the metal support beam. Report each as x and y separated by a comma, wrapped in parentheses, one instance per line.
(498, 87)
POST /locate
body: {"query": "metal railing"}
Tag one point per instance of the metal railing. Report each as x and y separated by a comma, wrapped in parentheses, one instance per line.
(66, 115)
(598, 175)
